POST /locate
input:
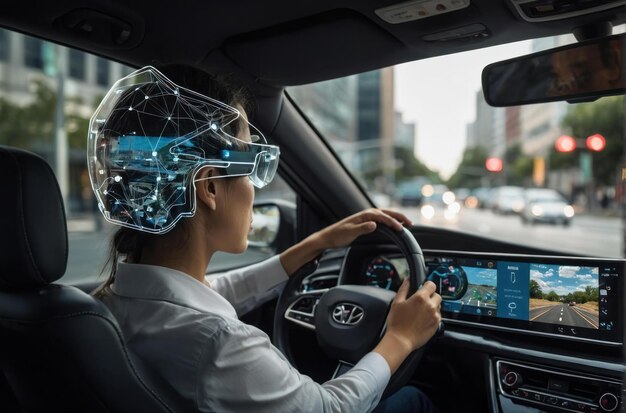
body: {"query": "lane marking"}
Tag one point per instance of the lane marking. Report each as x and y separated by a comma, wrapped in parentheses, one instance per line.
(588, 320)
(560, 319)
(539, 315)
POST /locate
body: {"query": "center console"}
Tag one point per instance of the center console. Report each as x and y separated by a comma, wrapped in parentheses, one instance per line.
(556, 390)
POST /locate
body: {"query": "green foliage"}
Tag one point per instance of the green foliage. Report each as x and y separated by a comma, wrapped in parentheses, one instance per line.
(580, 297)
(411, 167)
(535, 290)
(604, 116)
(32, 126)
(552, 296)
(519, 167)
(470, 170)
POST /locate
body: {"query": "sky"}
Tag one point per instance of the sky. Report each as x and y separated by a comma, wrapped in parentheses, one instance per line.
(563, 279)
(440, 95)
(481, 276)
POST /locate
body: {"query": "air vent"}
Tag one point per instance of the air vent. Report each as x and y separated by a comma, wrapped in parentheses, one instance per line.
(318, 282)
(547, 10)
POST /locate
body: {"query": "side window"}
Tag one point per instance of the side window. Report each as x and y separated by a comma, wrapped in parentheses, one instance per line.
(265, 226)
(28, 92)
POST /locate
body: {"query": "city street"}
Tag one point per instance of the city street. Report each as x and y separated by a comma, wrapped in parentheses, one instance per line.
(587, 235)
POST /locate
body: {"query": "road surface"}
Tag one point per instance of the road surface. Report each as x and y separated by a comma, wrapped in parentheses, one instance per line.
(564, 314)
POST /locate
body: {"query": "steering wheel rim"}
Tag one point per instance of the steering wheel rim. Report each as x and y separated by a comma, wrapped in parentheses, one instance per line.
(411, 251)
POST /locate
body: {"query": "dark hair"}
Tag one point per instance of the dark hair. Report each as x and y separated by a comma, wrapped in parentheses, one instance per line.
(129, 243)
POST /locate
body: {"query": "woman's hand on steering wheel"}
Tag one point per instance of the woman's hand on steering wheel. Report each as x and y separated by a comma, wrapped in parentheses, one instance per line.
(411, 322)
(340, 234)
(344, 232)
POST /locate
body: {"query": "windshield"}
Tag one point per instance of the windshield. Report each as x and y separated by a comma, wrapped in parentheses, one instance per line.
(420, 138)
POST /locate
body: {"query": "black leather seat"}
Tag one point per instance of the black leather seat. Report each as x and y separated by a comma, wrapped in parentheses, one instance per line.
(60, 349)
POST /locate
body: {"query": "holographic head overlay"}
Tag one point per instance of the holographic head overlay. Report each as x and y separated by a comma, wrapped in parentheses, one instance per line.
(149, 138)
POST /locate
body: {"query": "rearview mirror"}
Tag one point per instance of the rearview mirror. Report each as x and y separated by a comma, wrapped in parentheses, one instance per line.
(578, 72)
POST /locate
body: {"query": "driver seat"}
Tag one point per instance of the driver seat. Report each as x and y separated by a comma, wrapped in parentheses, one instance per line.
(60, 348)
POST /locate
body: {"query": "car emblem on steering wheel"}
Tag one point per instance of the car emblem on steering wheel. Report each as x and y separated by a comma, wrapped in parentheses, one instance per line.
(348, 314)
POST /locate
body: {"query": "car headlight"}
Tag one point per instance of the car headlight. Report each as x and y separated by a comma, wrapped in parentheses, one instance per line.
(454, 208)
(471, 202)
(517, 206)
(537, 210)
(428, 211)
(568, 211)
(448, 197)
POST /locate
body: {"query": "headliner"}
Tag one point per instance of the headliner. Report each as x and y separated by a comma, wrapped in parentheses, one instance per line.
(271, 44)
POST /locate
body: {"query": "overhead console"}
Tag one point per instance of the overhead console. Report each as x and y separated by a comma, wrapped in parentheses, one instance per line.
(564, 297)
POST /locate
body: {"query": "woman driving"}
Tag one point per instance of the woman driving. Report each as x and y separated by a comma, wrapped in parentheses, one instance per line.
(176, 168)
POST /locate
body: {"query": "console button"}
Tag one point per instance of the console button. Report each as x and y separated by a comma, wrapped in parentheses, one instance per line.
(608, 402)
(581, 407)
(552, 400)
(512, 379)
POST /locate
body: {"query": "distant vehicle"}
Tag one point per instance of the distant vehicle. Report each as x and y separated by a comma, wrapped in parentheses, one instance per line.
(483, 195)
(409, 193)
(462, 194)
(546, 205)
(439, 202)
(572, 303)
(507, 200)
(380, 199)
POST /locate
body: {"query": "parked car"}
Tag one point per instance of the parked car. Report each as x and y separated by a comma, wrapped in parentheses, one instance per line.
(546, 205)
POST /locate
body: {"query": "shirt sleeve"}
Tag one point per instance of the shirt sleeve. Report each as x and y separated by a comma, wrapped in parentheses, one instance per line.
(247, 287)
(242, 372)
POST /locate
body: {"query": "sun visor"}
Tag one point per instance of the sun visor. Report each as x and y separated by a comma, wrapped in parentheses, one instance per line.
(326, 46)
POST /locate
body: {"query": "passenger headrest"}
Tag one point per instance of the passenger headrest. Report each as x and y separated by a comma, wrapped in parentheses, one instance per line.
(33, 232)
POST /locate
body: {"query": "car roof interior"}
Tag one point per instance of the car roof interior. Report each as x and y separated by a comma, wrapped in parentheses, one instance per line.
(276, 44)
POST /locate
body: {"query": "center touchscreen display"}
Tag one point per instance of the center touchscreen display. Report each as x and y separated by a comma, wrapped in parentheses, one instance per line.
(577, 298)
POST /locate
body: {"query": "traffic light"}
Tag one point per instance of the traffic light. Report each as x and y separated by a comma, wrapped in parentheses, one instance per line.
(493, 164)
(565, 143)
(596, 142)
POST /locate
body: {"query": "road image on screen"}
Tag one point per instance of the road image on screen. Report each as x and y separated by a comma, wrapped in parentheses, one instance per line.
(481, 294)
(564, 295)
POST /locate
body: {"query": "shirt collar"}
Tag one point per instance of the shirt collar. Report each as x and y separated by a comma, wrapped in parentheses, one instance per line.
(152, 282)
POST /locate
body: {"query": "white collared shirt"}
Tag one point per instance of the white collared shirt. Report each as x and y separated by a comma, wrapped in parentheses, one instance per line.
(190, 334)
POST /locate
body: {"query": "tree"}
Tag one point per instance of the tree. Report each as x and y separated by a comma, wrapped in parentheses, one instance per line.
(519, 167)
(604, 116)
(535, 290)
(470, 170)
(32, 126)
(553, 296)
(411, 167)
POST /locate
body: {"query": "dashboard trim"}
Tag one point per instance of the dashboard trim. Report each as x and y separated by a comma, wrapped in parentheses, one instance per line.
(536, 333)
(500, 350)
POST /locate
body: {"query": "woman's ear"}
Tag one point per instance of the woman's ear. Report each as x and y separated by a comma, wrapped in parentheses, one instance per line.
(206, 190)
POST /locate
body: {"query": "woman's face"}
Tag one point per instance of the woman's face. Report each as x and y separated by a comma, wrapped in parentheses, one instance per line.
(234, 208)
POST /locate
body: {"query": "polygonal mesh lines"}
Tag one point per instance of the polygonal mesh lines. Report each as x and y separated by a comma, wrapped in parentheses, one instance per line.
(148, 139)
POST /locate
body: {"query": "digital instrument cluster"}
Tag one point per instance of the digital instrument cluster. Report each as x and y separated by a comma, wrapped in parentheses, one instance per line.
(575, 298)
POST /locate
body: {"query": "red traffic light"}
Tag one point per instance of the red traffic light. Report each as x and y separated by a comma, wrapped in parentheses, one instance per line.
(493, 164)
(565, 143)
(596, 142)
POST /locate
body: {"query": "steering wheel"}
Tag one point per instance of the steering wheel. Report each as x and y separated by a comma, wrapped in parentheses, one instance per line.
(349, 320)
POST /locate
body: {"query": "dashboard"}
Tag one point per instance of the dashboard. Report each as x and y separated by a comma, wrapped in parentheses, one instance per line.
(562, 297)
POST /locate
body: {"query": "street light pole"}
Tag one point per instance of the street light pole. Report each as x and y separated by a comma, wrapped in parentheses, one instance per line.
(60, 135)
